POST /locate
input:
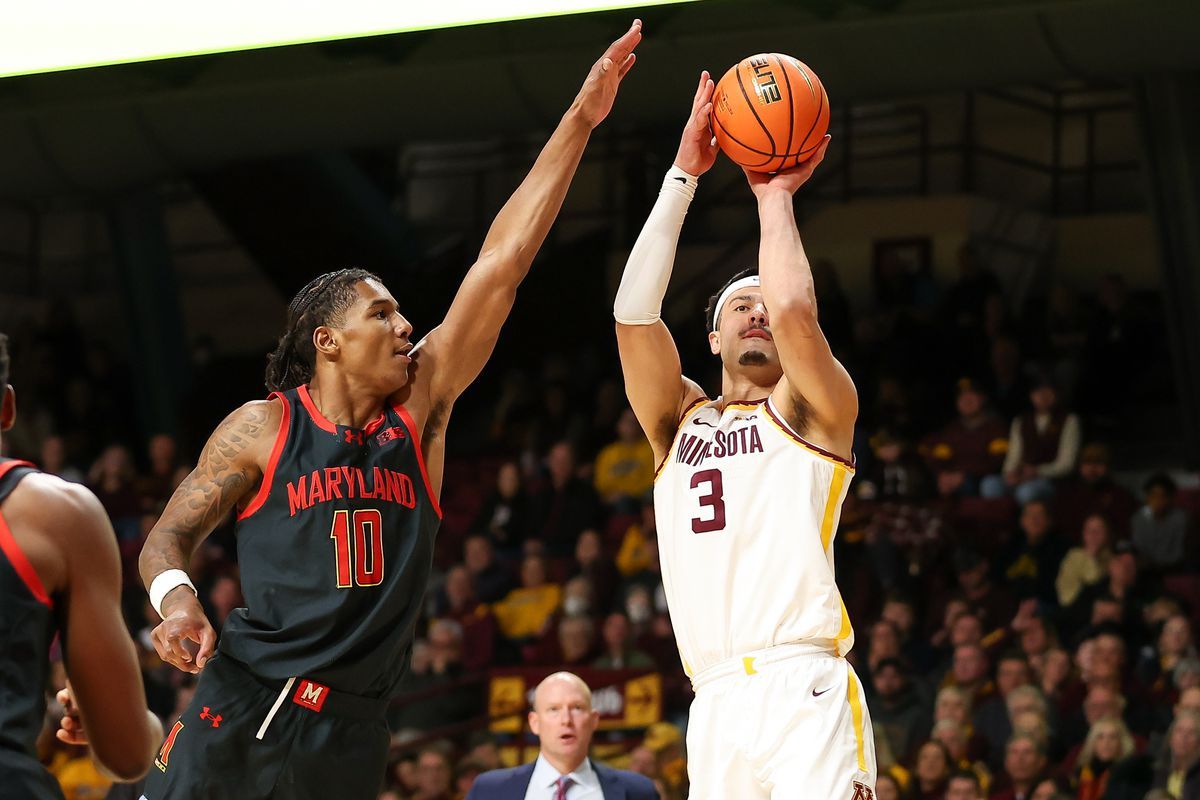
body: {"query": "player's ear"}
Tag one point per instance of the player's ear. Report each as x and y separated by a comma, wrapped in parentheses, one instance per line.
(325, 340)
(714, 342)
(8, 408)
(533, 723)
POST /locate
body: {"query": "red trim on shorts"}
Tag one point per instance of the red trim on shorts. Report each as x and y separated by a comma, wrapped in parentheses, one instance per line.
(264, 488)
(315, 412)
(407, 419)
(8, 544)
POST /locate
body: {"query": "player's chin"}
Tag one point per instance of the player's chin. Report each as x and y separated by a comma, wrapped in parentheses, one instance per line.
(755, 357)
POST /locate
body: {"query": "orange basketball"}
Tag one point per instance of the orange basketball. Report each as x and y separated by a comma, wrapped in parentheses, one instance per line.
(770, 112)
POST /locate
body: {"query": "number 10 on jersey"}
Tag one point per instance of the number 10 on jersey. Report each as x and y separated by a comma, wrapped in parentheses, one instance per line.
(358, 540)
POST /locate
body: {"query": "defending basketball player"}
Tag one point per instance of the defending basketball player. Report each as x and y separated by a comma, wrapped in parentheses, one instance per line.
(335, 480)
(747, 498)
(60, 572)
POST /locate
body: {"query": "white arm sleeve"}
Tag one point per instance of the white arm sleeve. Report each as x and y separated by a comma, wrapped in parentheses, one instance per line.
(648, 270)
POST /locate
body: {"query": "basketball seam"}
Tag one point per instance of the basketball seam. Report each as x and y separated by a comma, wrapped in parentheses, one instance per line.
(791, 108)
(755, 150)
(816, 119)
(757, 118)
(742, 144)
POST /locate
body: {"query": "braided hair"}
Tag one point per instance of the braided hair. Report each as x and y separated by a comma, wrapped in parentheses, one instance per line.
(322, 301)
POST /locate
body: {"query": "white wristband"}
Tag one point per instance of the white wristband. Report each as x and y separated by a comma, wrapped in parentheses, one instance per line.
(164, 582)
(648, 269)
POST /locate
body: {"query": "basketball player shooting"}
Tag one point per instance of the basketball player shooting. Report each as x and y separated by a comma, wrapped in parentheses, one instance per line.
(335, 479)
(747, 498)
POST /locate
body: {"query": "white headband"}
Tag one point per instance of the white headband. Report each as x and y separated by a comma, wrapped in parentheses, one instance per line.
(748, 281)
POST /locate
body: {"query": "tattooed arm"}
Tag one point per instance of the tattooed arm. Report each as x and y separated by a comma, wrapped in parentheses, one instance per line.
(228, 474)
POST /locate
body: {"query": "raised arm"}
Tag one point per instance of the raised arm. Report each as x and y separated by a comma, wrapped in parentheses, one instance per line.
(228, 472)
(816, 393)
(454, 353)
(654, 382)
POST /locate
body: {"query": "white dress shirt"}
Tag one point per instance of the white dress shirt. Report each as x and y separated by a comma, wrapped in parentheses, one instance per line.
(543, 784)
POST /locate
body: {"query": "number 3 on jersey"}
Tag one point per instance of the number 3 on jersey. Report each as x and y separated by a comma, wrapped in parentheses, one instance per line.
(715, 499)
(365, 549)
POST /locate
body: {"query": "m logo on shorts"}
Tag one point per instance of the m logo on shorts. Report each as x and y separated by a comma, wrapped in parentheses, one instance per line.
(311, 695)
(862, 792)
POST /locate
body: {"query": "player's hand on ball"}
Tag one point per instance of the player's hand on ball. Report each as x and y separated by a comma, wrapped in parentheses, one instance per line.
(184, 639)
(697, 147)
(599, 90)
(789, 179)
(70, 727)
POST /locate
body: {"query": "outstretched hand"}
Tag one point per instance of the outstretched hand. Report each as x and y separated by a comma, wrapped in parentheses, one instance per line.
(599, 90)
(788, 179)
(697, 147)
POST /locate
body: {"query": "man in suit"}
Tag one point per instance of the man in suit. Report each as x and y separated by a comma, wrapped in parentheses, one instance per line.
(563, 720)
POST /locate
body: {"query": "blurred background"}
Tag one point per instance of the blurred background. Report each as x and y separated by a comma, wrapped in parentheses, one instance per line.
(1004, 238)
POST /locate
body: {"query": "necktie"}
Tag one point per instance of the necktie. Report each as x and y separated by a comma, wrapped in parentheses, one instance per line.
(563, 784)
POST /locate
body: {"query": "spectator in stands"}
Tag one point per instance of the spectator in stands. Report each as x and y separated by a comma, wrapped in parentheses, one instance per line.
(1160, 528)
(976, 587)
(1108, 741)
(563, 720)
(883, 643)
(969, 672)
(969, 448)
(577, 600)
(162, 456)
(566, 505)
(1087, 564)
(223, 597)
(619, 652)
(112, 479)
(1091, 490)
(896, 474)
(897, 712)
(888, 788)
(594, 564)
(1024, 763)
(957, 740)
(434, 773)
(54, 460)
(457, 602)
(576, 641)
(490, 580)
(1174, 644)
(931, 771)
(1043, 446)
(964, 785)
(1123, 586)
(505, 514)
(993, 717)
(624, 470)
(524, 612)
(1179, 773)
(1033, 559)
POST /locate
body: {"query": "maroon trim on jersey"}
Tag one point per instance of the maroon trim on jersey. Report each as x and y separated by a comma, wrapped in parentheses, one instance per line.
(678, 426)
(264, 488)
(416, 440)
(8, 544)
(315, 412)
(786, 428)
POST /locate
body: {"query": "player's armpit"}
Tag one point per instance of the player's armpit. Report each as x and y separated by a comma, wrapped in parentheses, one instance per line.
(657, 390)
(228, 471)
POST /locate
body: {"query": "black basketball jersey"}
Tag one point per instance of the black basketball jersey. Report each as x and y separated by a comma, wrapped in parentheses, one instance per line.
(335, 552)
(27, 627)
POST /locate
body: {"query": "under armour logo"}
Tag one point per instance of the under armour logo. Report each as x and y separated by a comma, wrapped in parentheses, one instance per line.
(862, 792)
(354, 436)
(215, 719)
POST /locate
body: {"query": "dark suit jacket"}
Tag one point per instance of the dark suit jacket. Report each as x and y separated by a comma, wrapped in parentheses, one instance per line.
(511, 784)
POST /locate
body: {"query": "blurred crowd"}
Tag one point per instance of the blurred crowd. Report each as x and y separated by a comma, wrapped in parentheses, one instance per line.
(1025, 605)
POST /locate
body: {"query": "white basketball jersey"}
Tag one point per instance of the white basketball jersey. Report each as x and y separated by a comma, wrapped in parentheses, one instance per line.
(746, 512)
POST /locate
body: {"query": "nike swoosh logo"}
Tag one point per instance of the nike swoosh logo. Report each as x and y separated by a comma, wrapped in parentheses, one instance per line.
(702, 422)
(681, 180)
(818, 694)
